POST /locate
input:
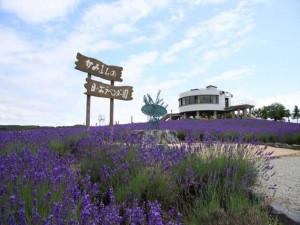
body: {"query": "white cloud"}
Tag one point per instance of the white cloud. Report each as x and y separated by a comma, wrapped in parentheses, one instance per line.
(136, 64)
(101, 45)
(289, 100)
(139, 39)
(170, 85)
(160, 32)
(103, 16)
(211, 55)
(248, 28)
(12, 42)
(23, 110)
(12, 46)
(169, 57)
(224, 22)
(39, 11)
(204, 2)
(232, 74)
(178, 17)
(36, 85)
(180, 46)
(219, 53)
(47, 98)
(122, 28)
(224, 35)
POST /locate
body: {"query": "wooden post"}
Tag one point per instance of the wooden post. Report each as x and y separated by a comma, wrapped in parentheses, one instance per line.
(98, 89)
(111, 115)
(88, 108)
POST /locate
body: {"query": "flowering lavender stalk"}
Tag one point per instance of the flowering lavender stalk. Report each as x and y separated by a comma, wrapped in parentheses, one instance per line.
(154, 215)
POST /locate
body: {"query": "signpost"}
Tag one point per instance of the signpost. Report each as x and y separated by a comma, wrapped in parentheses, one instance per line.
(98, 89)
(88, 108)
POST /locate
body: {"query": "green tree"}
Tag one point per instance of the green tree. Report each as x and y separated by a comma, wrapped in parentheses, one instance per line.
(287, 114)
(265, 112)
(276, 111)
(296, 113)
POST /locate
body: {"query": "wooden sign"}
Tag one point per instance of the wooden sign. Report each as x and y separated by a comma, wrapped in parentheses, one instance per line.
(98, 68)
(95, 88)
(99, 89)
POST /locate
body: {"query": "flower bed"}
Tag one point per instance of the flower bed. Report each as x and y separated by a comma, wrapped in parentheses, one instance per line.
(66, 176)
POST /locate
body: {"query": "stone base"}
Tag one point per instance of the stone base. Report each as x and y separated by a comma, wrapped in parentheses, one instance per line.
(285, 216)
(160, 137)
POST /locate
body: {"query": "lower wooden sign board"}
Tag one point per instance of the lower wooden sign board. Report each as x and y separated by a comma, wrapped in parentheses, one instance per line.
(99, 89)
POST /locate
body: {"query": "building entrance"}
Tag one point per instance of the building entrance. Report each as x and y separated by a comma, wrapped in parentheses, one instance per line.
(226, 102)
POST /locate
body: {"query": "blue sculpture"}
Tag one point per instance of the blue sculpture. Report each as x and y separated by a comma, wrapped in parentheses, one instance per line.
(154, 109)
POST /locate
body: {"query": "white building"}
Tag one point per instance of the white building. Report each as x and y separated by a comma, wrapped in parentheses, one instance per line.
(206, 103)
(210, 103)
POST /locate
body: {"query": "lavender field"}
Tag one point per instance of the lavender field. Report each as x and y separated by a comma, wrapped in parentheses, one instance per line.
(69, 176)
(251, 129)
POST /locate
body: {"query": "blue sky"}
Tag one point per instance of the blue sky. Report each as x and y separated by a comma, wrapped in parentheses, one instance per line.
(250, 48)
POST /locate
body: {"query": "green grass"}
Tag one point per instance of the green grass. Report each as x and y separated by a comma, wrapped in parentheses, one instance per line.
(41, 197)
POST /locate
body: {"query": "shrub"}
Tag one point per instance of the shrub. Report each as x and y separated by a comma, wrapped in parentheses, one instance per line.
(181, 135)
(118, 178)
(59, 147)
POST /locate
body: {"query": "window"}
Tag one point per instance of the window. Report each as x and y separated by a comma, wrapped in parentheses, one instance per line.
(215, 99)
(208, 99)
(187, 100)
(192, 99)
(199, 99)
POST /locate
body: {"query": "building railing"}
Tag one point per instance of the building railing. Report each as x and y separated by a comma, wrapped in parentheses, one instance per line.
(242, 102)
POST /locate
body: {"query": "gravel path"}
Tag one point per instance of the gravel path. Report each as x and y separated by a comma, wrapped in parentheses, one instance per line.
(287, 178)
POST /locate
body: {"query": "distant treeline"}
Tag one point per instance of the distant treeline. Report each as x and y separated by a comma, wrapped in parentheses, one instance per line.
(29, 127)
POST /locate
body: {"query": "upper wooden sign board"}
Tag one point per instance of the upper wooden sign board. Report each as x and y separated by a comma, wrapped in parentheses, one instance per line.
(98, 68)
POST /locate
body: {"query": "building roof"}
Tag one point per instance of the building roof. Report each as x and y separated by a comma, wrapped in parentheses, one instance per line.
(211, 86)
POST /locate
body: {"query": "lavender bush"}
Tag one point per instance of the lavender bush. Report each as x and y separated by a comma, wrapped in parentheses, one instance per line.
(68, 176)
(251, 129)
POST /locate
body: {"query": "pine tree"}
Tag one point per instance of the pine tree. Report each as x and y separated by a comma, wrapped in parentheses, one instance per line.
(296, 113)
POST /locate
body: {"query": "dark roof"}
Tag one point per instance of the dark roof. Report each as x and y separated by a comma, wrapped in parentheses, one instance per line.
(211, 86)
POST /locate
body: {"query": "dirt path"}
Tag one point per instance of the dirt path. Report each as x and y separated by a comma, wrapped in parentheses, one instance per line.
(283, 152)
(286, 178)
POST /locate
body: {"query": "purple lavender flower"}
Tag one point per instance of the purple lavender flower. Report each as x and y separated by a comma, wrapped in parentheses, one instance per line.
(12, 201)
(35, 216)
(154, 215)
(135, 215)
(86, 209)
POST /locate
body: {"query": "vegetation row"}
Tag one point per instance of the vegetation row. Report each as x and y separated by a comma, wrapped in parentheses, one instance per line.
(68, 176)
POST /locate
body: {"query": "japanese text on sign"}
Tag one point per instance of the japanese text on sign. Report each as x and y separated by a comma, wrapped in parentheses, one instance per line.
(99, 89)
(98, 68)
